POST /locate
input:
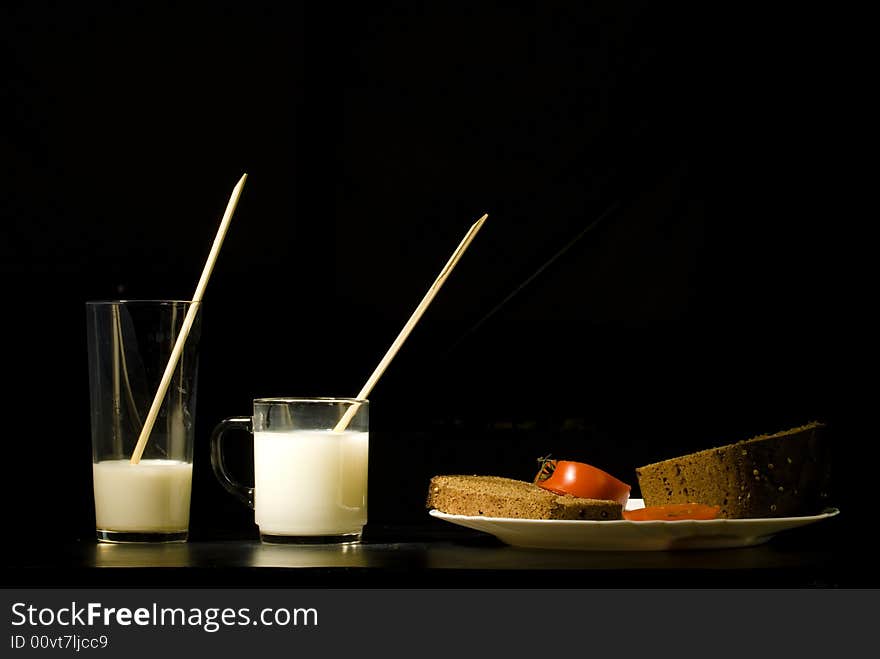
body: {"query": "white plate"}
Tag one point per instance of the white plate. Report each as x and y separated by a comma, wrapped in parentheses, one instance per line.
(623, 535)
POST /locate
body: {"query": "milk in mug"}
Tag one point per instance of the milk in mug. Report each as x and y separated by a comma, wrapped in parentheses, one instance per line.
(310, 482)
(151, 496)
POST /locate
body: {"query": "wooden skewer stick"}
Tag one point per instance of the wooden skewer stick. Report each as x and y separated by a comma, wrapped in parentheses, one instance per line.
(417, 314)
(187, 323)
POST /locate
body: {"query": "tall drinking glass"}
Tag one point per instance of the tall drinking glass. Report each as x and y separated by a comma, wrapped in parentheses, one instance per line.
(129, 346)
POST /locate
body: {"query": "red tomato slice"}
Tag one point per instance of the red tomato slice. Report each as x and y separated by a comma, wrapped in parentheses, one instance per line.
(581, 480)
(672, 512)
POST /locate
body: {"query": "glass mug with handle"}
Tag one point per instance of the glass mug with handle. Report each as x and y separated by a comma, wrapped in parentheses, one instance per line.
(310, 480)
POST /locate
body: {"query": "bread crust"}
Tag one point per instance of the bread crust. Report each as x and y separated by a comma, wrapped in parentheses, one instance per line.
(496, 496)
(782, 474)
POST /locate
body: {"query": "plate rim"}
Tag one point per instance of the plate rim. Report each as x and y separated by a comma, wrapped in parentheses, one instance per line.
(825, 514)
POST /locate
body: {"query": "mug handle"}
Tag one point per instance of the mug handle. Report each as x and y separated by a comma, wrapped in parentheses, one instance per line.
(246, 494)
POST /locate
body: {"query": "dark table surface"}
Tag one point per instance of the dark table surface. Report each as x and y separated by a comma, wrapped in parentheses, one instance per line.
(437, 555)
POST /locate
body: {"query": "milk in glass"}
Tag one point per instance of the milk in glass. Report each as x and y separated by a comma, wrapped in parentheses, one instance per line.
(310, 482)
(151, 496)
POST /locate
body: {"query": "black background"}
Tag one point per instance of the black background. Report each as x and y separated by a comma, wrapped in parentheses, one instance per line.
(693, 166)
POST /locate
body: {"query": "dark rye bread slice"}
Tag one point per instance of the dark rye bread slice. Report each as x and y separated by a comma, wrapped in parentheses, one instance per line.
(785, 474)
(496, 496)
